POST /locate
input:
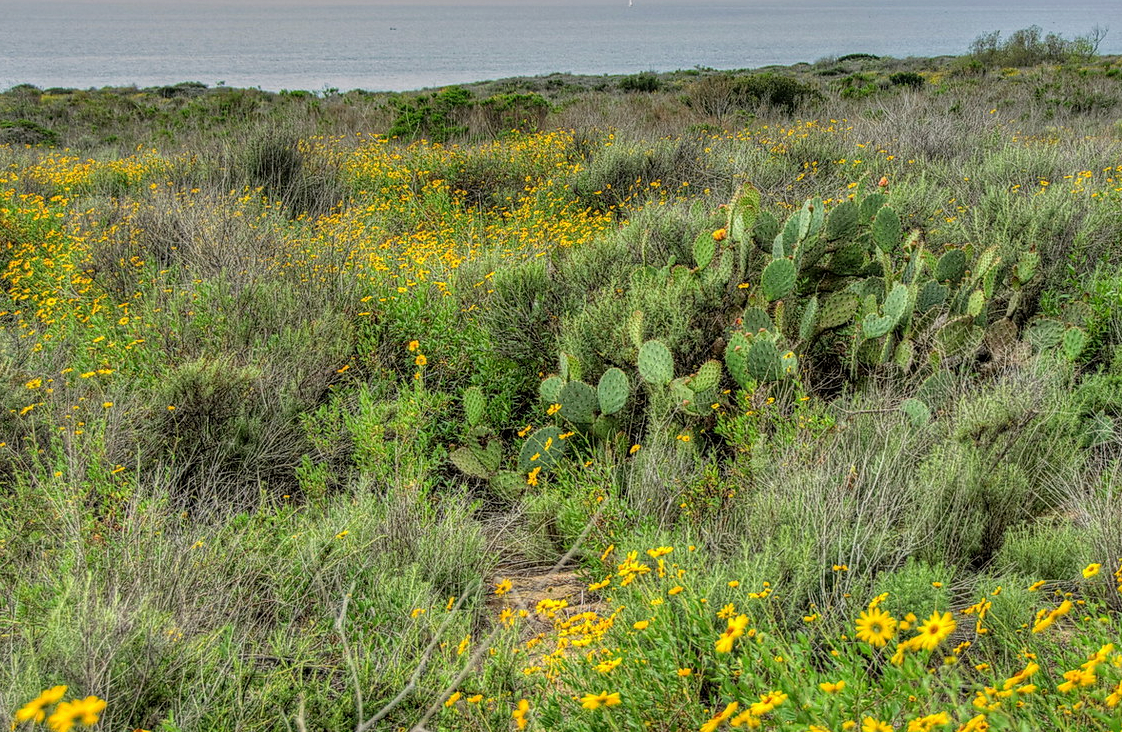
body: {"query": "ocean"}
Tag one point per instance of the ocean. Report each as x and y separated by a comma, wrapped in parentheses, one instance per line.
(397, 47)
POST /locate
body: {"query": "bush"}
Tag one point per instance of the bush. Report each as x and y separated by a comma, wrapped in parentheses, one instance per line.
(437, 116)
(907, 78)
(646, 81)
(1029, 47)
(721, 94)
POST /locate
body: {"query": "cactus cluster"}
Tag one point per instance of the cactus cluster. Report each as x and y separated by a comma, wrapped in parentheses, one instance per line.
(481, 457)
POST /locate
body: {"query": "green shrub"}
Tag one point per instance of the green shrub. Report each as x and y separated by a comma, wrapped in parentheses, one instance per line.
(907, 78)
(646, 81)
(436, 116)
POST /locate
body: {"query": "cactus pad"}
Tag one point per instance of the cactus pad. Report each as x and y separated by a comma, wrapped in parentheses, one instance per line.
(475, 404)
(917, 411)
(951, 266)
(808, 319)
(842, 221)
(870, 205)
(612, 391)
(704, 247)
(635, 328)
(467, 463)
(897, 304)
(1074, 341)
(836, 310)
(707, 378)
(763, 360)
(578, 402)
(736, 358)
(756, 319)
(743, 212)
(887, 230)
(1044, 332)
(656, 365)
(543, 448)
(778, 279)
(931, 294)
(550, 389)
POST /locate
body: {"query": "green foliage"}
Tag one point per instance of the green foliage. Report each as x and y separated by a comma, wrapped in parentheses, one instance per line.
(645, 81)
(436, 116)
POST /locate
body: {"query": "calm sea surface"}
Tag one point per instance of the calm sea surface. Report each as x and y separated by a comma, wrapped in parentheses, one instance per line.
(408, 46)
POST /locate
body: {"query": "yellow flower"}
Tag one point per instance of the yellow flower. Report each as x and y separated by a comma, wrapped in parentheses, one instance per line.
(720, 234)
(595, 701)
(641, 625)
(934, 631)
(1115, 697)
(1036, 585)
(503, 587)
(1091, 570)
(675, 590)
(106, 405)
(928, 723)
(67, 714)
(875, 627)
(685, 671)
(608, 666)
(420, 360)
(634, 449)
(553, 409)
(453, 699)
(474, 699)
(532, 476)
(734, 583)
(417, 612)
(414, 345)
(33, 711)
(716, 721)
(832, 687)
(869, 724)
(976, 724)
(767, 703)
(519, 713)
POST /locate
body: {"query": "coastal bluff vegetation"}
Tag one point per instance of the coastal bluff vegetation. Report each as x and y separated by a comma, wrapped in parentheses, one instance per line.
(784, 398)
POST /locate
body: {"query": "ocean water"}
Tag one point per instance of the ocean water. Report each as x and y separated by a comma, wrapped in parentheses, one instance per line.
(408, 46)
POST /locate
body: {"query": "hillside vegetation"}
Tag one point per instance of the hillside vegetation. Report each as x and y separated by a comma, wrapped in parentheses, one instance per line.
(783, 399)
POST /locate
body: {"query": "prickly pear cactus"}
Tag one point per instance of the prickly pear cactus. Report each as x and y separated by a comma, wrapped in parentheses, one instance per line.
(704, 247)
(836, 310)
(707, 377)
(887, 230)
(578, 403)
(612, 391)
(550, 389)
(542, 449)
(931, 294)
(656, 365)
(842, 221)
(763, 360)
(778, 279)
(743, 213)
(635, 328)
(736, 359)
(917, 411)
(466, 461)
(1073, 343)
(951, 266)
(475, 405)
(756, 319)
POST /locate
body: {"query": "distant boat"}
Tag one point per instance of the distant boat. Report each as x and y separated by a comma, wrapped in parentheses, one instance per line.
(630, 3)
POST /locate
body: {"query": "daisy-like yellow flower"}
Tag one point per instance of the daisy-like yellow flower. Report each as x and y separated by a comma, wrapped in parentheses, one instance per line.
(934, 630)
(720, 234)
(1091, 570)
(503, 587)
(1036, 585)
(718, 720)
(608, 666)
(78, 711)
(767, 703)
(451, 701)
(871, 724)
(420, 360)
(35, 710)
(875, 627)
(641, 624)
(413, 345)
(832, 687)
(532, 476)
(675, 590)
(518, 714)
(734, 630)
(685, 672)
(928, 723)
(603, 699)
(1115, 697)
(634, 449)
